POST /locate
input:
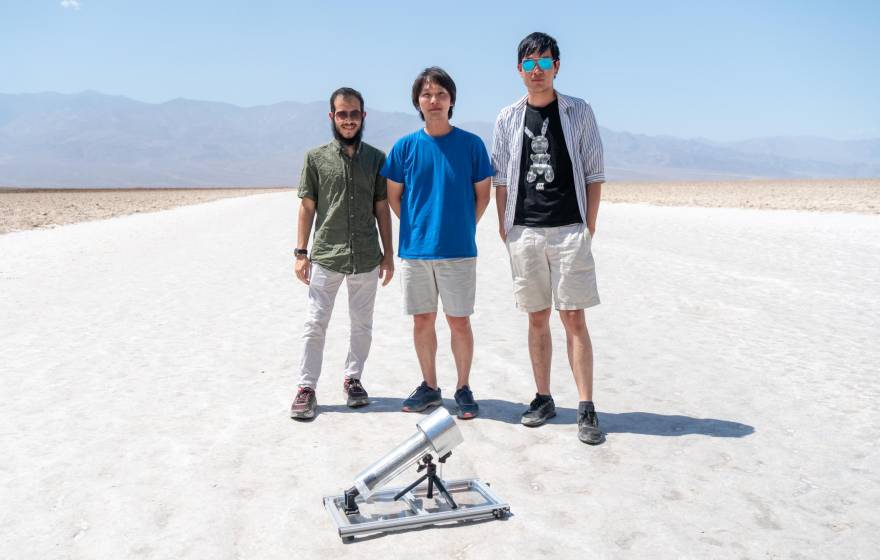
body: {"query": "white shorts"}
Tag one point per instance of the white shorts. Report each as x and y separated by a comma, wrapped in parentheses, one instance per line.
(454, 280)
(552, 264)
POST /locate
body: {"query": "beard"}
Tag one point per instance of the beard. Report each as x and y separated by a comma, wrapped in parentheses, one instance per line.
(353, 141)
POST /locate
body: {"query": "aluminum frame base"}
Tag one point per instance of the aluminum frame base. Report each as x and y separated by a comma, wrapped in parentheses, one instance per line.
(412, 512)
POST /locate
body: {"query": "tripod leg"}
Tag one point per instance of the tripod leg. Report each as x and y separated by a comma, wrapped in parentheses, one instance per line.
(446, 494)
(410, 487)
(430, 486)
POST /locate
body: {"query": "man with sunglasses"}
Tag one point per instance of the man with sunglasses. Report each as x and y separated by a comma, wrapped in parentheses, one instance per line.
(549, 170)
(344, 195)
(439, 182)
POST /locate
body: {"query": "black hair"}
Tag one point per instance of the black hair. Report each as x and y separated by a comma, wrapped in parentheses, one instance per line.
(438, 76)
(346, 92)
(537, 42)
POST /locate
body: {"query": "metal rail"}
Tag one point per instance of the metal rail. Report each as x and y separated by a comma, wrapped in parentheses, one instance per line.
(413, 514)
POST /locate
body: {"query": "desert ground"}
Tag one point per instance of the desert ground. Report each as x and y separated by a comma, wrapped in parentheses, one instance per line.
(22, 209)
(822, 195)
(148, 362)
(40, 208)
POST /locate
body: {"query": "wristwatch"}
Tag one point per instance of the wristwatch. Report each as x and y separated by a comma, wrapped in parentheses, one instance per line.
(301, 252)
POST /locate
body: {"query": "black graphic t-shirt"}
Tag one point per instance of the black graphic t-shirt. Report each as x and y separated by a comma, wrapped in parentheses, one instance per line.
(546, 195)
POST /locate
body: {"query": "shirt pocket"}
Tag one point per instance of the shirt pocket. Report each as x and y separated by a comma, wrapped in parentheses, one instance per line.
(333, 178)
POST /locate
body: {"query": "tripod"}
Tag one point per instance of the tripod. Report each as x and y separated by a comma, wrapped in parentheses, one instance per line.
(427, 463)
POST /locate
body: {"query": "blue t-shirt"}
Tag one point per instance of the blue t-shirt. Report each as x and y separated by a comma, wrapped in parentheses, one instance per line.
(437, 210)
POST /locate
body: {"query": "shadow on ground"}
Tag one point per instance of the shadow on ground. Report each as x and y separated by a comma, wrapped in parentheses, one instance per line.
(645, 423)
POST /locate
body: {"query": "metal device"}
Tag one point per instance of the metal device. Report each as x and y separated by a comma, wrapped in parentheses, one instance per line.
(416, 505)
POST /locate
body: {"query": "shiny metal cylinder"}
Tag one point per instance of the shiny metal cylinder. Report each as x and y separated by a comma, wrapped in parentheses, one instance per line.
(441, 430)
(437, 432)
(373, 477)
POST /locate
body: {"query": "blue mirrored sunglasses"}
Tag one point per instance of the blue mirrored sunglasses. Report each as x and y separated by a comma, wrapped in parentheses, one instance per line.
(545, 63)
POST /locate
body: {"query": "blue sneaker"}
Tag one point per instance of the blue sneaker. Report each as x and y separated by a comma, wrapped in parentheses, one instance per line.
(467, 406)
(423, 397)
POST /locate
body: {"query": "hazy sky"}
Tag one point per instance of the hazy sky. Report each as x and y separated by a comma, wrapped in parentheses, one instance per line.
(717, 69)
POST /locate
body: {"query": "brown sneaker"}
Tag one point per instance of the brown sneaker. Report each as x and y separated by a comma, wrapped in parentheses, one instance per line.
(355, 393)
(304, 405)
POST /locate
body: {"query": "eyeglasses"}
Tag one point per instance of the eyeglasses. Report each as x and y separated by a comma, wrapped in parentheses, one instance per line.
(546, 63)
(348, 115)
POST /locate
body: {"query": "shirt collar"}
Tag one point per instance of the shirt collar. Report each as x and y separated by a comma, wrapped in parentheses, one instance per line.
(341, 149)
(564, 104)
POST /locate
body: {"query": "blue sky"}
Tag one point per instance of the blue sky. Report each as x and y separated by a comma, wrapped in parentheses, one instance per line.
(713, 69)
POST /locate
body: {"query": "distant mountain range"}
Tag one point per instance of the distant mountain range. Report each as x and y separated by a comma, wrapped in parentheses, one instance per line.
(95, 140)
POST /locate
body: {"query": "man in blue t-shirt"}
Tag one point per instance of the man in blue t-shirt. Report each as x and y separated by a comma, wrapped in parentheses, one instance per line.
(439, 180)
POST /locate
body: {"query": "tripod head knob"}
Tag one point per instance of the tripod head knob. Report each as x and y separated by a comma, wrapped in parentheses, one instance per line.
(426, 461)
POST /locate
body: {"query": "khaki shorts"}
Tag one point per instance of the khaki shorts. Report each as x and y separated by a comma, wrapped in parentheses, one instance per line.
(552, 264)
(454, 280)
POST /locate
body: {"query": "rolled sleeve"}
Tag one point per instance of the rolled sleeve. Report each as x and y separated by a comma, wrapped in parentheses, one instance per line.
(594, 160)
(308, 180)
(500, 152)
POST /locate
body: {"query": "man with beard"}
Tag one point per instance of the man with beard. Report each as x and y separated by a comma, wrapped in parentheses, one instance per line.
(343, 193)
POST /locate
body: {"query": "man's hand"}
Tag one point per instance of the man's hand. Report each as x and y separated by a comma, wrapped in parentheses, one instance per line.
(594, 195)
(386, 269)
(303, 269)
(307, 210)
(501, 205)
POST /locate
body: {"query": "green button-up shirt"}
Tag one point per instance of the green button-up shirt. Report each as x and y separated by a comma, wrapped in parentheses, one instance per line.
(344, 190)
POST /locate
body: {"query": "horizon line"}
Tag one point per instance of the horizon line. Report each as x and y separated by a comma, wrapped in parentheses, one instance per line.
(399, 112)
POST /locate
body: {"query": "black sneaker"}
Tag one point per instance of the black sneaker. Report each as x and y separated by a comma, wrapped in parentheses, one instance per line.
(467, 406)
(588, 425)
(541, 409)
(304, 405)
(355, 393)
(422, 398)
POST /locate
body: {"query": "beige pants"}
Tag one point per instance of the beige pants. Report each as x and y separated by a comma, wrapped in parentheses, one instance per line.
(323, 286)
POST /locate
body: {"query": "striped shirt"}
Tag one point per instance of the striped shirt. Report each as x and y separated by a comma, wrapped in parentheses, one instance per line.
(581, 137)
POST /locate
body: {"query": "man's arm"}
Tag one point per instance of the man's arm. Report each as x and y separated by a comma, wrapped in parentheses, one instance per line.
(501, 205)
(383, 219)
(500, 158)
(482, 191)
(395, 193)
(594, 195)
(303, 230)
(594, 166)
